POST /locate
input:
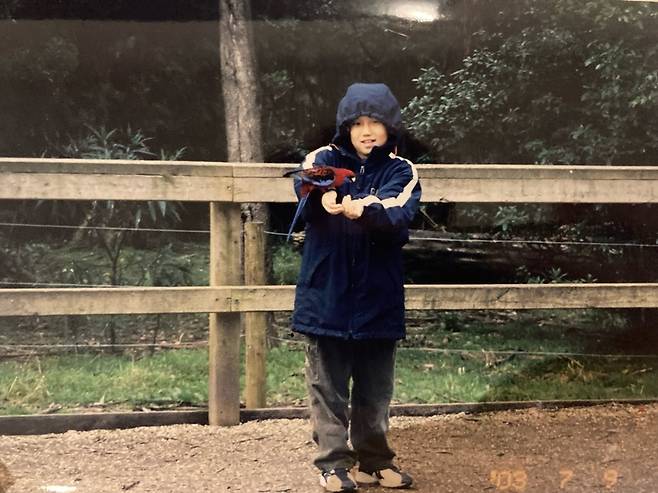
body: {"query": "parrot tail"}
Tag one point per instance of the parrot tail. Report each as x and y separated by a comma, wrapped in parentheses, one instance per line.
(294, 171)
(300, 206)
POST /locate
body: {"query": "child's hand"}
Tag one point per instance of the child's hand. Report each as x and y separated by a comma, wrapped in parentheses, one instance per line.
(329, 203)
(353, 209)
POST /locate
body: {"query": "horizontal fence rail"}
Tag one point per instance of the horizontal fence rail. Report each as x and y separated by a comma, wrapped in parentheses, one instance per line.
(240, 299)
(74, 179)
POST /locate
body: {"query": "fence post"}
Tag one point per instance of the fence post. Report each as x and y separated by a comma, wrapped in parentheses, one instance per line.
(224, 337)
(255, 322)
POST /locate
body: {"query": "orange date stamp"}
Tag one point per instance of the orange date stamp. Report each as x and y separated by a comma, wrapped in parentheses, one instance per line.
(516, 480)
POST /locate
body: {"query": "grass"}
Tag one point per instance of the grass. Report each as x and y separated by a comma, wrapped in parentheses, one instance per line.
(431, 378)
(179, 377)
(168, 378)
(73, 381)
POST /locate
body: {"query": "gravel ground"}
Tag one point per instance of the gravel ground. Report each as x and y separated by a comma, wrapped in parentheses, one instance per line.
(597, 449)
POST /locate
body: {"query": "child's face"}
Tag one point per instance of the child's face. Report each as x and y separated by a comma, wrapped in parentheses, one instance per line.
(366, 133)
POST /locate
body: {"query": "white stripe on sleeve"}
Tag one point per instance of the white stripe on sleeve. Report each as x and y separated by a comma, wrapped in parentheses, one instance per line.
(309, 160)
(400, 199)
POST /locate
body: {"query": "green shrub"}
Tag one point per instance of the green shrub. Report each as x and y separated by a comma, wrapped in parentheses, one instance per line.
(286, 264)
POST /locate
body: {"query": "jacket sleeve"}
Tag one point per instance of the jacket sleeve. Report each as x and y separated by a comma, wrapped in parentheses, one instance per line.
(396, 203)
(322, 156)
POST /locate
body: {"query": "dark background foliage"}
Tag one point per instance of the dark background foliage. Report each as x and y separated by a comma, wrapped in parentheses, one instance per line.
(514, 81)
(562, 81)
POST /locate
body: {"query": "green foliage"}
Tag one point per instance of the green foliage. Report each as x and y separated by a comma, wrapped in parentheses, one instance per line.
(551, 275)
(182, 265)
(556, 84)
(286, 264)
(55, 80)
(169, 268)
(509, 216)
(130, 144)
(108, 222)
(100, 143)
(34, 80)
(16, 264)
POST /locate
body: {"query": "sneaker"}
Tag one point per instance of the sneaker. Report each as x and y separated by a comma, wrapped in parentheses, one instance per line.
(391, 477)
(338, 480)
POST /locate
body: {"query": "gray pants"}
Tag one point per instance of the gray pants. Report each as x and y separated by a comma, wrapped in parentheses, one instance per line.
(330, 363)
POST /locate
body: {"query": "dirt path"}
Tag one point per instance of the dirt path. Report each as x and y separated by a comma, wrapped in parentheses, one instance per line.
(606, 448)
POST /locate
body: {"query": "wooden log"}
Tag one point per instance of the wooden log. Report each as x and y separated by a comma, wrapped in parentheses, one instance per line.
(255, 322)
(262, 182)
(224, 337)
(531, 296)
(539, 191)
(39, 424)
(538, 184)
(69, 186)
(115, 167)
(133, 300)
(254, 189)
(97, 301)
(237, 299)
(276, 170)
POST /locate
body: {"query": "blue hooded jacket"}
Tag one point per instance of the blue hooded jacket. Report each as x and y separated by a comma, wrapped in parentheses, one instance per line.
(351, 280)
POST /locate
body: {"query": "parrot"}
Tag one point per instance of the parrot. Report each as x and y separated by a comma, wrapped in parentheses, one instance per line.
(320, 177)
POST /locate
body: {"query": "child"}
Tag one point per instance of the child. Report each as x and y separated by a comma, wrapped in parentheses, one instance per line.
(349, 300)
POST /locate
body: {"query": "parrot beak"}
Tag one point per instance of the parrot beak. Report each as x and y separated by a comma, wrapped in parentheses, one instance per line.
(352, 178)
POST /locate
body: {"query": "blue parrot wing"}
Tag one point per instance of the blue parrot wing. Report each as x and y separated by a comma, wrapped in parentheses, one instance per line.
(298, 211)
(318, 182)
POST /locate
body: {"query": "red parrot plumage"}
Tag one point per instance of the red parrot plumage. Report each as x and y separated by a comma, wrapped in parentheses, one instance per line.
(318, 177)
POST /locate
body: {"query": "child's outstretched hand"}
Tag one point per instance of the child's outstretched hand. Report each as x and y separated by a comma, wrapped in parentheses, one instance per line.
(329, 203)
(352, 209)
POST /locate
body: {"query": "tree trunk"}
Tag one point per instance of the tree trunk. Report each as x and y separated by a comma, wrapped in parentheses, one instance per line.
(242, 111)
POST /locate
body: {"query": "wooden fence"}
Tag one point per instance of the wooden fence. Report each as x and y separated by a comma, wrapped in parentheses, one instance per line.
(226, 185)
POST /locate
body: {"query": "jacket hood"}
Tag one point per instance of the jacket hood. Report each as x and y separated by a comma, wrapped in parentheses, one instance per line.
(373, 100)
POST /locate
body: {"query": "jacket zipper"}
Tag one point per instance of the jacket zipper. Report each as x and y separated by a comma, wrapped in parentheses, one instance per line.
(350, 328)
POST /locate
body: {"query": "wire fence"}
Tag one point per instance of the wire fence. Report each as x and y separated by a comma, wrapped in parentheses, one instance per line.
(502, 352)
(519, 241)
(296, 342)
(102, 228)
(164, 345)
(58, 285)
